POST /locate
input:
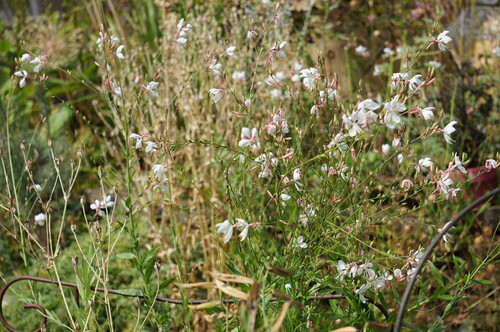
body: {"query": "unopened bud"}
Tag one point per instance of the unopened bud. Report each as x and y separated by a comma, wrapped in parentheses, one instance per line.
(73, 228)
(50, 143)
(79, 153)
(157, 266)
(23, 146)
(74, 260)
(137, 302)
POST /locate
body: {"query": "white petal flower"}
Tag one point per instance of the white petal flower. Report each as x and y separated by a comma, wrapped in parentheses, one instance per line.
(215, 67)
(38, 62)
(162, 186)
(249, 139)
(299, 243)
(386, 148)
(226, 228)
(40, 219)
(310, 76)
(24, 75)
(448, 130)
(158, 170)
(119, 53)
(230, 52)
(242, 224)
(151, 88)
(442, 40)
(428, 113)
(414, 82)
(252, 34)
(215, 94)
(423, 164)
(458, 164)
(138, 140)
(284, 199)
(151, 147)
(25, 57)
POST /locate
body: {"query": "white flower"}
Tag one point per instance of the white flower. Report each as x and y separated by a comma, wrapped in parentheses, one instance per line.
(284, 198)
(444, 183)
(38, 62)
(423, 164)
(339, 141)
(491, 164)
(158, 170)
(310, 76)
(181, 33)
(434, 64)
(181, 41)
(331, 94)
(162, 186)
(459, 165)
(25, 57)
(428, 113)
(447, 236)
(361, 50)
(299, 242)
(392, 110)
(398, 78)
(406, 184)
(296, 178)
(101, 206)
(215, 67)
(448, 130)
(377, 70)
(116, 89)
(242, 223)
(252, 34)
(342, 269)
(279, 49)
(388, 52)
(151, 88)
(24, 75)
(396, 142)
(138, 140)
(368, 105)
(38, 188)
(119, 53)
(226, 228)
(496, 51)
(414, 82)
(238, 76)
(249, 139)
(386, 148)
(400, 158)
(309, 213)
(151, 147)
(288, 287)
(442, 40)
(215, 94)
(40, 219)
(230, 52)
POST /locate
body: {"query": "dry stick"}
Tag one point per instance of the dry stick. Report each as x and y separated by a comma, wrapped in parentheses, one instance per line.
(406, 296)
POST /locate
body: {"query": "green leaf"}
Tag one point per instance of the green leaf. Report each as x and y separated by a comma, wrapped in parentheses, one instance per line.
(446, 297)
(150, 254)
(437, 274)
(483, 282)
(167, 282)
(126, 255)
(130, 292)
(411, 327)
